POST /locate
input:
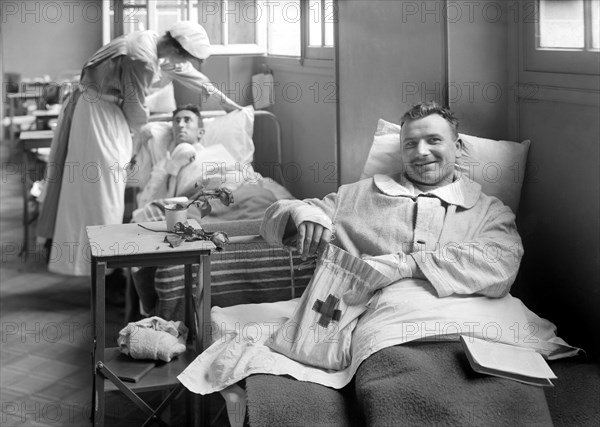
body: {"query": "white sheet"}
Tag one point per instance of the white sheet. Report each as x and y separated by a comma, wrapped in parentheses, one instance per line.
(406, 310)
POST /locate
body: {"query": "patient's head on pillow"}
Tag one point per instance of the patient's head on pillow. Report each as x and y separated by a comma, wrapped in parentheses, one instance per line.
(497, 165)
(430, 145)
(187, 125)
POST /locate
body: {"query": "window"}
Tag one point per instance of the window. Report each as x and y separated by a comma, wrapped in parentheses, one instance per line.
(301, 28)
(295, 28)
(320, 17)
(284, 28)
(134, 15)
(233, 26)
(568, 24)
(562, 36)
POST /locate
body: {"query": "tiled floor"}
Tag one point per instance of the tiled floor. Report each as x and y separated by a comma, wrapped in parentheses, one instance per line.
(45, 345)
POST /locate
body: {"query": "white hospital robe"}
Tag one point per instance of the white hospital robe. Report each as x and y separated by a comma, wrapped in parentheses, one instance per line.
(464, 241)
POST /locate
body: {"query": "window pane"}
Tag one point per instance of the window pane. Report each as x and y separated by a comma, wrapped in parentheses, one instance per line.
(134, 19)
(595, 24)
(315, 18)
(194, 11)
(169, 12)
(561, 24)
(241, 16)
(284, 27)
(209, 16)
(330, 18)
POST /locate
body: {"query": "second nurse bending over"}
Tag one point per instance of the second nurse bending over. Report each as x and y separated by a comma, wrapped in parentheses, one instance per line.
(93, 143)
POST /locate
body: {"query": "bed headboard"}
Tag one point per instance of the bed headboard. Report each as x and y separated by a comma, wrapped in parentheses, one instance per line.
(267, 145)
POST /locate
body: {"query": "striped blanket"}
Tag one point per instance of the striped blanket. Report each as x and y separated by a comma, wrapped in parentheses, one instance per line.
(242, 273)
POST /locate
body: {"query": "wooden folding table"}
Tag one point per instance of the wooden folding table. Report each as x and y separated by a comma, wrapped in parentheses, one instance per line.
(129, 245)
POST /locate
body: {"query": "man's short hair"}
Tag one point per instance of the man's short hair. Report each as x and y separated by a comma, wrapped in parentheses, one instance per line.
(187, 107)
(425, 109)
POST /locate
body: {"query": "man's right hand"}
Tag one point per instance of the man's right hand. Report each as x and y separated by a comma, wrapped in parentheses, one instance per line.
(310, 238)
(182, 155)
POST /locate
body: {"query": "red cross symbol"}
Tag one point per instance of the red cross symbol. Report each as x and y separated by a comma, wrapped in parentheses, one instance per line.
(327, 310)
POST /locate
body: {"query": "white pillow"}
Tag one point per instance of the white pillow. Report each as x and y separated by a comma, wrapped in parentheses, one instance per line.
(498, 166)
(162, 101)
(385, 156)
(234, 131)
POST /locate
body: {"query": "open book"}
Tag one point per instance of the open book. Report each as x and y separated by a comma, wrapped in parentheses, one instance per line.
(507, 361)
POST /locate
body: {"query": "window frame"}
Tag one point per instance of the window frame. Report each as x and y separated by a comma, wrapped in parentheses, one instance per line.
(224, 48)
(557, 60)
(316, 52)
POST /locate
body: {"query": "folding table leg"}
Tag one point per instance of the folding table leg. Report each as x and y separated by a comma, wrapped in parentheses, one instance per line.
(190, 321)
(98, 320)
(204, 328)
(167, 400)
(24, 172)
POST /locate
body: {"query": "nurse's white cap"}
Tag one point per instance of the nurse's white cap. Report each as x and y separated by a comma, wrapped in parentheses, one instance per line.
(192, 37)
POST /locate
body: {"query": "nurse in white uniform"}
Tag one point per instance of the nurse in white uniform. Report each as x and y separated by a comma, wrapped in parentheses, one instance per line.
(93, 143)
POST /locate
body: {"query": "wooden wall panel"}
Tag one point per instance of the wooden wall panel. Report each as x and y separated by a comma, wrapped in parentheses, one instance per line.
(391, 54)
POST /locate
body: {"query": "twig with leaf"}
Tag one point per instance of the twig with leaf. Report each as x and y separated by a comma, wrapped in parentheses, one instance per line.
(202, 198)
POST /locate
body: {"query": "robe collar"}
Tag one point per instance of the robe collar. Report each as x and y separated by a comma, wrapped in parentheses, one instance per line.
(460, 192)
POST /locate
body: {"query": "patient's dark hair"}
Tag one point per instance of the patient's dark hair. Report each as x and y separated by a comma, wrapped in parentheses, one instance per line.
(187, 107)
(425, 109)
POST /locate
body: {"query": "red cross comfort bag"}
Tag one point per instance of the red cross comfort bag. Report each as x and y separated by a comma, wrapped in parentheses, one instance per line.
(319, 333)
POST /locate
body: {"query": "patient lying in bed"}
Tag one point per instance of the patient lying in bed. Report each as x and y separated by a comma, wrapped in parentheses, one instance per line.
(186, 139)
(174, 160)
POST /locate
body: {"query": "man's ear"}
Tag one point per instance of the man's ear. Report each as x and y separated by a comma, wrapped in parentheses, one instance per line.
(201, 132)
(459, 147)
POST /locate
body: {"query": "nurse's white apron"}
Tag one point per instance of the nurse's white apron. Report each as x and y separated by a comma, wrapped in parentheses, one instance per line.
(93, 182)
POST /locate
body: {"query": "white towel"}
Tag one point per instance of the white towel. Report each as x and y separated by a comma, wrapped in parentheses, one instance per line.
(153, 338)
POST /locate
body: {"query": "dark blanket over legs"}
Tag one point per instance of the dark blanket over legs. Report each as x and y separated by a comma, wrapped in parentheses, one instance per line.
(409, 385)
(433, 384)
(283, 401)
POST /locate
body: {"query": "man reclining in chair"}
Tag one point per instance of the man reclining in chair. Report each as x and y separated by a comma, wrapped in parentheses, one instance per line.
(412, 214)
(451, 254)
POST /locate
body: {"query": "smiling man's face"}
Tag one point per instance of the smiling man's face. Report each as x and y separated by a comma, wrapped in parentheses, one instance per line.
(429, 150)
(187, 127)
